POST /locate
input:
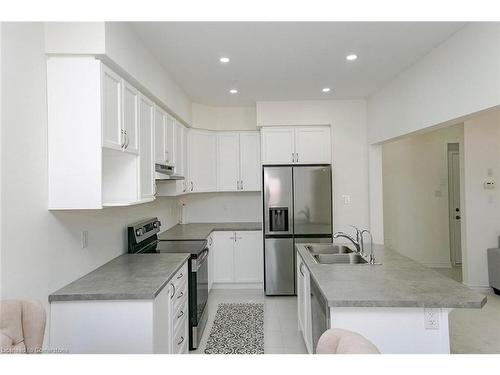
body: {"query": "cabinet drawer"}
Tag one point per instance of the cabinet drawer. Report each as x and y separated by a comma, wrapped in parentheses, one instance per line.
(180, 339)
(180, 314)
(180, 277)
(180, 296)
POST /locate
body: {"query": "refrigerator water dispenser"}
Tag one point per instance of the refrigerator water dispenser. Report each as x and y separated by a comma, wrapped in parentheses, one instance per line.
(278, 219)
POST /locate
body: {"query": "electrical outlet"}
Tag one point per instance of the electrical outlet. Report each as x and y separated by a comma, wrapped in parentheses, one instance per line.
(84, 238)
(347, 199)
(431, 318)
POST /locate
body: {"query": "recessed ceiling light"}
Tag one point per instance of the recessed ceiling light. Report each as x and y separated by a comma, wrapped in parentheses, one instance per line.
(233, 91)
(224, 60)
(351, 57)
(326, 89)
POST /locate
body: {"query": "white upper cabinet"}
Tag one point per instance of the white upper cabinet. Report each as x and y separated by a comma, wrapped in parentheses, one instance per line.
(312, 145)
(178, 149)
(170, 140)
(146, 114)
(238, 161)
(160, 120)
(277, 145)
(112, 130)
(130, 118)
(228, 163)
(250, 170)
(296, 145)
(202, 148)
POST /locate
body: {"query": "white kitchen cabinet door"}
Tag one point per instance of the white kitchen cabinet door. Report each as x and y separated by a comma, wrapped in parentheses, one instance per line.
(277, 145)
(210, 243)
(248, 257)
(112, 84)
(228, 161)
(160, 120)
(146, 114)
(250, 167)
(202, 148)
(304, 302)
(130, 118)
(178, 151)
(170, 140)
(312, 145)
(223, 257)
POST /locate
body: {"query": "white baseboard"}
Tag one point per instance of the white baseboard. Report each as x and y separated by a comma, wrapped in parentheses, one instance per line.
(438, 265)
(258, 286)
(483, 289)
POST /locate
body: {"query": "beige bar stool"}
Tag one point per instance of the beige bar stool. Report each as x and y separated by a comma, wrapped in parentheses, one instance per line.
(341, 341)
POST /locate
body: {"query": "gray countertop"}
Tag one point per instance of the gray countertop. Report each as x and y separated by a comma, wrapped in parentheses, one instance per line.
(200, 231)
(129, 276)
(397, 282)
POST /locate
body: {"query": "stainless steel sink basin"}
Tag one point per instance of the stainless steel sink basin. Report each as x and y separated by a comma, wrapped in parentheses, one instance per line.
(328, 249)
(351, 258)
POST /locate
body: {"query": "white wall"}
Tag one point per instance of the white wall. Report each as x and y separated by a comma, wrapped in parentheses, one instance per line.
(349, 150)
(415, 188)
(223, 207)
(223, 118)
(40, 250)
(458, 78)
(118, 44)
(482, 207)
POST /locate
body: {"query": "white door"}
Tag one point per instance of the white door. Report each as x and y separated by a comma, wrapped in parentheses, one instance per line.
(130, 118)
(223, 257)
(312, 145)
(112, 84)
(169, 140)
(160, 120)
(146, 114)
(277, 145)
(248, 257)
(454, 207)
(250, 167)
(202, 148)
(228, 162)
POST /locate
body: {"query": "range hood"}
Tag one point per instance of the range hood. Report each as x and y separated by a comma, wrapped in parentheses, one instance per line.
(166, 172)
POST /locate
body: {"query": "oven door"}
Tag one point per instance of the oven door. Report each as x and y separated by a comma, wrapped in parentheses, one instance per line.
(198, 297)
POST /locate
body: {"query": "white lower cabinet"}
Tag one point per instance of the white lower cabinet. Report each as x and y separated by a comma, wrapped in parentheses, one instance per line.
(238, 258)
(304, 302)
(210, 244)
(125, 326)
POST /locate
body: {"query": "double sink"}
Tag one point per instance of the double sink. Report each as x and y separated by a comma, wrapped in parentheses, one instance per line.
(335, 254)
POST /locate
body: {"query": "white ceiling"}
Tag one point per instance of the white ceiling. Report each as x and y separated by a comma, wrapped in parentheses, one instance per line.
(289, 60)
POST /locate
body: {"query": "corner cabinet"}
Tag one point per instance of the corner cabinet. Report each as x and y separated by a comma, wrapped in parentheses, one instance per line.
(238, 161)
(237, 258)
(296, 145)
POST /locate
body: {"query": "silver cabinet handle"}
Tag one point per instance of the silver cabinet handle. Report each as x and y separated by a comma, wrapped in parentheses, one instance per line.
(293, 157)
(181, 294)
(184, 187)
(166, 156)
(241, 185)
(237, 185)
(300, 269)
(210, 241)
(122, 138)
(155, 190)
(180, 276)
(126, 139)
(297, 157)
(173, 291)
(181, 341)
(180, 314)
(191, 185)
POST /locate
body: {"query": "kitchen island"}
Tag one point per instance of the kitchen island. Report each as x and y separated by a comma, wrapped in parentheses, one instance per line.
(400, 305)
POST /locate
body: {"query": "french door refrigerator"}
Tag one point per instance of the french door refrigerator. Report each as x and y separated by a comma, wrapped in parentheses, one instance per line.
(297, 208)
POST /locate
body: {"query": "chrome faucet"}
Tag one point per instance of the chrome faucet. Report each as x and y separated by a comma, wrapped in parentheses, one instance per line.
(356, 242)
(371, 259)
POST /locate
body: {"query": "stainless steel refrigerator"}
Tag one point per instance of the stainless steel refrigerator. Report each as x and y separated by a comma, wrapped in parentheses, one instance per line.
(297, 208)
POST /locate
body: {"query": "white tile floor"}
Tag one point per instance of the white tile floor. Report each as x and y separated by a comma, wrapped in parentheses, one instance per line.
(281, 335)
(471, 330)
